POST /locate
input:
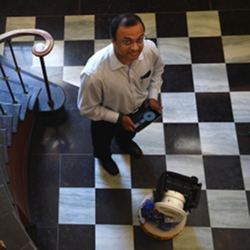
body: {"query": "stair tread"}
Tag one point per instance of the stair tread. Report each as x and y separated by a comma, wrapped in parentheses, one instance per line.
(6, 123)
(14, 110)
(20, 98)
(32, 81)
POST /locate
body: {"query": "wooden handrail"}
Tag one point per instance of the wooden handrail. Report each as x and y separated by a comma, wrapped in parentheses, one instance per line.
(38, 49)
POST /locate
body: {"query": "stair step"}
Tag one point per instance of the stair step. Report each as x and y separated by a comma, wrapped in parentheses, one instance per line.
(14, 110)
(3, 144)
(33, 90)
(32, 80)
(3, 164)
(34, 93)
(21, 99)
(6, 123)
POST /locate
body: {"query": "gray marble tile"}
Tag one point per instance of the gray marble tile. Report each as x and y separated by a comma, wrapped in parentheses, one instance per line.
(138, 195)
(241, 106)
(189, 165)
(71, 74)
(105, 180)
(150, 24)
(101, 43)
(114, 237)
(79, 27)
(54, 73)
(174, 50)
(1, 48)
(245, 166)
(218, 139)
(179, 108)
(210, 77)
(27, 22)
(203, 23)
(228, 209)
(198, 238)
(55, 58)
(236, 48)
(77, 206)
(151, 139)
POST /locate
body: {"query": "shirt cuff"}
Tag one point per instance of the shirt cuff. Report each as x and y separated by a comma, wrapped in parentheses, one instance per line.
(111, 116)
(153, 93)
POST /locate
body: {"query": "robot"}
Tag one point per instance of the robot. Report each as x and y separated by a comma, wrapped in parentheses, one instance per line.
(163, 213)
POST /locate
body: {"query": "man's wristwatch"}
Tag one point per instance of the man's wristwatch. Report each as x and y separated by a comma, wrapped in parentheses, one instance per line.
(120, 119)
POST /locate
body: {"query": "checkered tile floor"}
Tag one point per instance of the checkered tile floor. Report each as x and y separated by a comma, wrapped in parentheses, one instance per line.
(204, 131)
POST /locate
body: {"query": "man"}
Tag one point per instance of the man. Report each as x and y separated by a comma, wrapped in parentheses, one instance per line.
(116, 82)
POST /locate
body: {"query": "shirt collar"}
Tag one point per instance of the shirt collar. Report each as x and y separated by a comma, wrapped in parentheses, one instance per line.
(115, 63)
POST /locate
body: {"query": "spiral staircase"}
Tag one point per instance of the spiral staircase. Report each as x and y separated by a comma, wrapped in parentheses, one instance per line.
(22, 96)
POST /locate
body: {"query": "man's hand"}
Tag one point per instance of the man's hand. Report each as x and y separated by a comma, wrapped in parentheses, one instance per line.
(127, 123)
(155, 105)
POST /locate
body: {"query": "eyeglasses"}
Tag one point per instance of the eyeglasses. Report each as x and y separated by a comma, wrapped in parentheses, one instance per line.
(129, 42)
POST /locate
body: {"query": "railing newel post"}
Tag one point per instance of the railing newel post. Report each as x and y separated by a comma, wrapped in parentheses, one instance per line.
(36, 50)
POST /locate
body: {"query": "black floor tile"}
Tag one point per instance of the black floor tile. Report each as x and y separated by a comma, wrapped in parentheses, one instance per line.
(77, 171)
(146, 171)
(77, 52)
(239, 76)
(235, 22)
(229, 167)
(23, 53)
(153, 40)
(171, 24)
(248, 200)
(143, 241)
(206, 50)
(53, 25)
(102, 23)
(243, 135)
(199, 216)
(46, 238)
(65, 132)
(177, 78)
(2, 24)
(76, 237)
(231, 239)
(182, 139)
(103, 6)
(214, 107)
(140, 6)
(181, 5)
(230, 4)
(113, 206)
(45, 8)
(43, 189)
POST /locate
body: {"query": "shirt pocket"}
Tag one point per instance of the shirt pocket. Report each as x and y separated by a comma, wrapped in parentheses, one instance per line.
(145, 80)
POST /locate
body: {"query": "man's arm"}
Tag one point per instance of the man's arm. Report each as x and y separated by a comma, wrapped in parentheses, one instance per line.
(156, 81)
(90, 98)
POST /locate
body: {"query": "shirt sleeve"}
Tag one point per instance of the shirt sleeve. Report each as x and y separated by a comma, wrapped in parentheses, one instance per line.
(156, 79)
(90, 98)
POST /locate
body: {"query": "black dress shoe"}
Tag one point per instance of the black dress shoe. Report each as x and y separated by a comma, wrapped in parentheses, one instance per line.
(132, 148)
(110, 166)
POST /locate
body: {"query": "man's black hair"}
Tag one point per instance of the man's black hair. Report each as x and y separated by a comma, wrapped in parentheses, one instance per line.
(126, 20)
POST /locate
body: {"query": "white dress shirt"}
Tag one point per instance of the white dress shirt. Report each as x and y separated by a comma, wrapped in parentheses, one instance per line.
(109, 88)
